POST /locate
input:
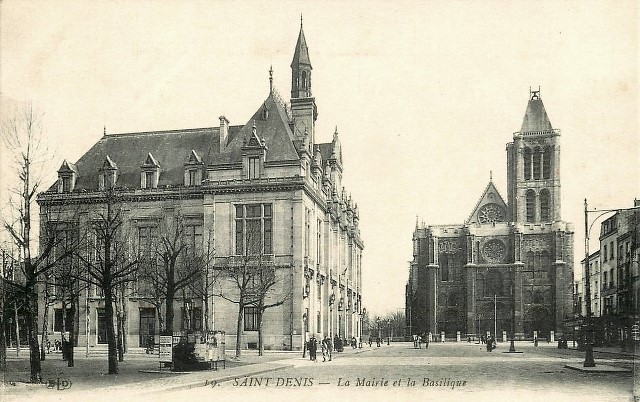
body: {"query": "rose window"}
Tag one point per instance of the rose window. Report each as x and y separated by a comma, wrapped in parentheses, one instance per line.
(494, 251)
(491, 213)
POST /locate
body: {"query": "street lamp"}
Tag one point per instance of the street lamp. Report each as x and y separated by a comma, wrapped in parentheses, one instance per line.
(388, 330)
(304, 333)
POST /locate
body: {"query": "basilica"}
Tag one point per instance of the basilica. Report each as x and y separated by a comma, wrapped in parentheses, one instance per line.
(509, 266)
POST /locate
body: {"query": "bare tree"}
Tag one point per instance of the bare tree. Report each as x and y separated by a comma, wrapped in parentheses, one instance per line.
(265, 289)
(22, 136)
(110, 263)
(172, 264)
(252, 277)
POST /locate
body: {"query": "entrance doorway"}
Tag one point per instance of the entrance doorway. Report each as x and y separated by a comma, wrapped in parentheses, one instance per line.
(147, 326)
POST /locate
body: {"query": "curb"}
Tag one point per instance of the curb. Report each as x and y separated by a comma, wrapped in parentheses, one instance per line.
(224, 378)
(601, 368)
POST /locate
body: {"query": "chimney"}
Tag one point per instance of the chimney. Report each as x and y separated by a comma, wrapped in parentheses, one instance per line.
(224, 132)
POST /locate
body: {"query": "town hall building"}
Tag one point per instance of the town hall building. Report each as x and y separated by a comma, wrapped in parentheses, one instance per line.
(511, 261)
(266, 191)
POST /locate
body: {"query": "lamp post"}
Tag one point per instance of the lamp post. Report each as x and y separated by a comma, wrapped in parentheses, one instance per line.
(362, 313)
(388, 330)
(512, 346)
(304, 334)
(495, 317)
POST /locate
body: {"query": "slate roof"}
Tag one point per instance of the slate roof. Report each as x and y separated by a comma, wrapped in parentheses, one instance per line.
(172, 149)
(535, 118)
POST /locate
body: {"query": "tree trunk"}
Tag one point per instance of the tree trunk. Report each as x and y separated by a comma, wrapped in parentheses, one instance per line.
(260, 342)
(111, 333)
(64, 326)
(3, 342)
(168, 302)
(45, 323)
(32, 334)
(160, 318)
(119, 327)
(17, 331)
(239, 328)
(72, 329)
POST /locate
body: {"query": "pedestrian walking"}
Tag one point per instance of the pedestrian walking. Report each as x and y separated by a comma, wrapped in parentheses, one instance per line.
(378, 341)
(370, 341)
(329, 347)
(535, 342)
(415, 341)
(313, 347)
(426, 341)
(325, 352)
(419, 341)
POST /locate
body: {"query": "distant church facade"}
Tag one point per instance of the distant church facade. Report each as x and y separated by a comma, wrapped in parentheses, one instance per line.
(265, 191)
(462, 276)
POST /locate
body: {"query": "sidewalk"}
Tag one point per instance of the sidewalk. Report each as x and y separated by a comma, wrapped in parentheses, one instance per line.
(138, 374)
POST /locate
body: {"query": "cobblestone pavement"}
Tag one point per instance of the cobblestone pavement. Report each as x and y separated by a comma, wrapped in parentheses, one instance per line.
(452, 371)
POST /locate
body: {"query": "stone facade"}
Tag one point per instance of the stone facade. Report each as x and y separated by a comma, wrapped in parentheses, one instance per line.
(269, 174)
(462, 276)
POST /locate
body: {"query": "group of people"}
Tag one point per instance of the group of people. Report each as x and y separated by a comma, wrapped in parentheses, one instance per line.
(419, 339)
(327, 346)
(490, 342)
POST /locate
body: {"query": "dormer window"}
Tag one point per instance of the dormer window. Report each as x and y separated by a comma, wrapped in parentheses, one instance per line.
(254, 152)
(67, 175)
(193, 170)
(149, 172)
(108, 174)
(254, 167)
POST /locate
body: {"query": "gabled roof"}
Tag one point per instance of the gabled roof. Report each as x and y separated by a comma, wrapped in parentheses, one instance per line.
(272, 126)
(535, 118)
(67, 167)
(108, 164)
(301, 53)
(150, 161)
(194, 159)
(489, 196)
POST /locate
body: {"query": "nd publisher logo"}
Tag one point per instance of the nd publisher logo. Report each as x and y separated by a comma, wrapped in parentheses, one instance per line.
(59, 383)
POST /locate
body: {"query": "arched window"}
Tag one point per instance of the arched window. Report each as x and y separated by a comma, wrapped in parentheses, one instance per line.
(546, 166)
(545, 215)
(304, 79)
(537, 162)
(527, 164)
(531, 206)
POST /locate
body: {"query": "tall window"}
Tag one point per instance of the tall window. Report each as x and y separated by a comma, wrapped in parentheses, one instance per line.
(307, 231)
(254, 167)
(531, 206)
(546, 166)
(102, 325)
(193, 239)
(57, 320)
(527, 164)
(444, 268)
(66, 184)
(146, 240)
(148, 179)
(319, 242)
(192, 177)
(544, 206)
(251, 315)
(537, 162)
(254, 226)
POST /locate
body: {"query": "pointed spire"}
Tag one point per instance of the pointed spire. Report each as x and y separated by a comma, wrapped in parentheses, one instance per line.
(104, 130)
(535, 118)
(416, 221)
(301, 54)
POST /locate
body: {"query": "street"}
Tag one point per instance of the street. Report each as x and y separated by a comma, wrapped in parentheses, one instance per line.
(451, 371)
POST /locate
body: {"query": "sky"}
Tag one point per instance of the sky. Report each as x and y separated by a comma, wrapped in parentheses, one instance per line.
(425, 95)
